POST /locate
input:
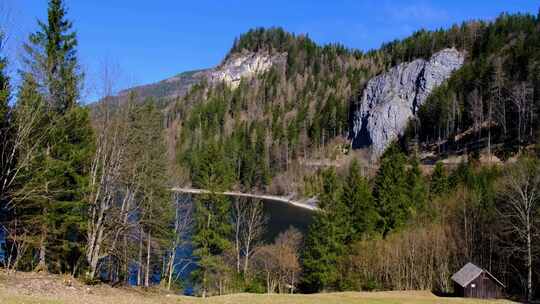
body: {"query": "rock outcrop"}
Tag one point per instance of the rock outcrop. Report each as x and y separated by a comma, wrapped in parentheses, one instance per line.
(392, 98)
(244, 65)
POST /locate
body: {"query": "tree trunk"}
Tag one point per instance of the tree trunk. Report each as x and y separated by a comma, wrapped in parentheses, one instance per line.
(126, 262)
(139, 273)
(529, 265)
(171, 268)
(246, 258)
(238, 224)
(42, 264)
(489, 132)
(292, 282)
(148, 248)
(204, 284)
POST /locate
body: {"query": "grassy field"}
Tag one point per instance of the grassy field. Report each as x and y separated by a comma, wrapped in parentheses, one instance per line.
(330, 298)
(31, 288)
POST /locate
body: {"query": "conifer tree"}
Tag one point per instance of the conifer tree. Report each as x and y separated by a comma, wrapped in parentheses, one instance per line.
(416, 186)
(147, 156)
(52, 57)
(59, 177)
(327, 237)
(439, 180)
(211, 215)
(391, 190)
(359, 200)
(5, 89)
(5, 130)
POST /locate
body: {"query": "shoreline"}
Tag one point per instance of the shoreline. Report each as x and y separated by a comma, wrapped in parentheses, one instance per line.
(251, 195)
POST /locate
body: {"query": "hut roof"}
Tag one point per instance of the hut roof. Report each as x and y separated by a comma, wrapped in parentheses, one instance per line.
(468, 273)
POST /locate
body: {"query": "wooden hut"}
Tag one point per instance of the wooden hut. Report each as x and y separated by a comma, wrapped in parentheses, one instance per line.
(472, 281)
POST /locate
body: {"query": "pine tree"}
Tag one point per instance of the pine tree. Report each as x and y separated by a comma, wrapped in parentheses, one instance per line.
(7, 158)
(211, 235)
(6, 134)
(147, 156)
(327, 237)
(52, 57)
(391, 190)
(5, 90)
(359, 200)
(416, 186)
(71, 149)
(439, 180)
(59, 175)
(211, 215)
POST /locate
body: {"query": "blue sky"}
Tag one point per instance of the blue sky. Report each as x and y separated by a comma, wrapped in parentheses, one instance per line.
(152, 40)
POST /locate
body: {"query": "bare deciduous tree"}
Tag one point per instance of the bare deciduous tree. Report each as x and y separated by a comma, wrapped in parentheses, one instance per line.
(498, 94)
(477, 110)
(521, 97)
(254, 227)
(520, 202)
(109, 159)
(238, 214)
(182, 227)
(249, 226)
(280, 262)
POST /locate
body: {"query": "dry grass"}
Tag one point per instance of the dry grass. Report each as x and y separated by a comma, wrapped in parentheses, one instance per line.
(31, 288)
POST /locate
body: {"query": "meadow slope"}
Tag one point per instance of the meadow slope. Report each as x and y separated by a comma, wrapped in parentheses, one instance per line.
(32, 288)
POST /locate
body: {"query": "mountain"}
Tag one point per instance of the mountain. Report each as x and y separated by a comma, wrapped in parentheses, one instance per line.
(230, 71)
(176, 86)
(279, 106)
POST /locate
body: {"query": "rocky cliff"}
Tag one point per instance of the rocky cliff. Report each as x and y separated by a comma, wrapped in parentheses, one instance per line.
(244, 65)
(392, 98)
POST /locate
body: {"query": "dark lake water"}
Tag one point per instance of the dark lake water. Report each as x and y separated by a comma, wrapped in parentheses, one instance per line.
(281, 216)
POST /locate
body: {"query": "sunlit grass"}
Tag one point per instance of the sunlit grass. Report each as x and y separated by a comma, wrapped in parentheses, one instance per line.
(327, 298)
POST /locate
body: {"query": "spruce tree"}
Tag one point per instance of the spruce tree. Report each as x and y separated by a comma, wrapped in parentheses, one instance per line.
(5, 90)
(5, 124)
(6, 138)
(52, 56)
(439, 180)
(327, 237)
(359, 200)
(212, 227)
(146, 157)
(390, 191)
(59, 177)
(416, 186)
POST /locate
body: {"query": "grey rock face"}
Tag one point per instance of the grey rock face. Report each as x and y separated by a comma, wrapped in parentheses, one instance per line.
(244, 65)
(392, 98)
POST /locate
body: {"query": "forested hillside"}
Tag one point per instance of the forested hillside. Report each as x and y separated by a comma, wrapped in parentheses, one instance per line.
(268, 122)
(87, 190)
(301, 111)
